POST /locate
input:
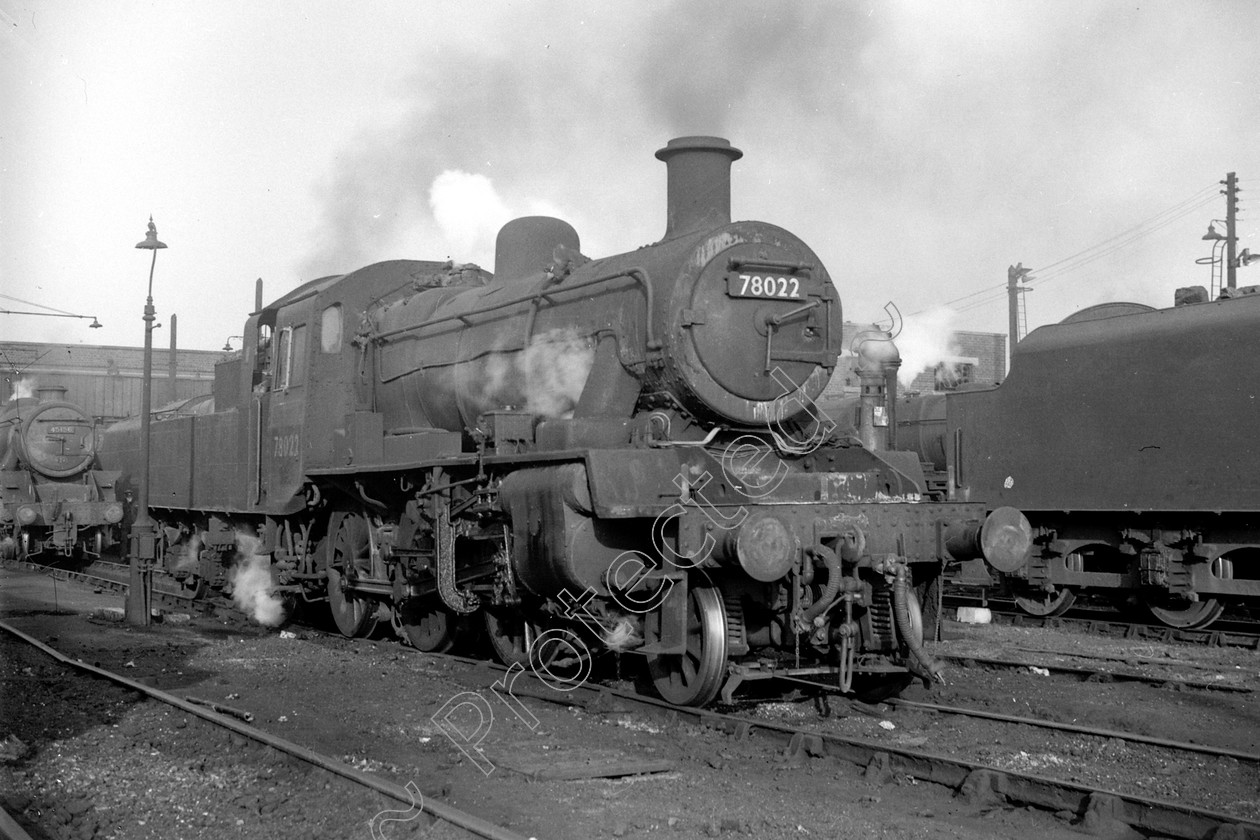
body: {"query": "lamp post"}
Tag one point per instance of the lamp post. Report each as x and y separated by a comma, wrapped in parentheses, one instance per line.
(143, 548)
(96, 325)
(1217, 241)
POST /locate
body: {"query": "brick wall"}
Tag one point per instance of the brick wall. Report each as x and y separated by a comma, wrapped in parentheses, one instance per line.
(106, 381)
(987, 352)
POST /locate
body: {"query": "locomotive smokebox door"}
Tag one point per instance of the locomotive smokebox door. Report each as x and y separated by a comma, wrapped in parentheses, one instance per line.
(758, 320)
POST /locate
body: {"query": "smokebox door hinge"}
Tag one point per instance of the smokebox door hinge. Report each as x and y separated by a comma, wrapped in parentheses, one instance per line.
(691, 316)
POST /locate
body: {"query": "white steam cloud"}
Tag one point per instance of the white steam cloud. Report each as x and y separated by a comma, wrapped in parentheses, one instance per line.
(556, 365)
(468, 212)
(622, 635)
(925, 340)
(190, 560)
(25, 387)
(251, 583)
(547, 378)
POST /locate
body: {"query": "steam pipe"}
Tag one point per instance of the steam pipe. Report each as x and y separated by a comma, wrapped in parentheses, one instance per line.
(834, 579)
(636, 274)
(931, 668)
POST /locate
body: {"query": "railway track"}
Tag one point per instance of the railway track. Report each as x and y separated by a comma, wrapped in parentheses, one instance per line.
(115, 577)
(1167, 818)
(1224, 633)
(1085, 674)
(970, 778)
(229, 720)
(1092, 731)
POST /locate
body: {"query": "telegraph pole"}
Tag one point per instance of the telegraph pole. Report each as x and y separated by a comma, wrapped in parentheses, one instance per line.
(1014, 274)
(1231, 240)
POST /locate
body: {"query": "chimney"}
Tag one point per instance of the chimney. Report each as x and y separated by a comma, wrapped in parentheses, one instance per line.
(171, 363)
(699, 177)
(51, 393)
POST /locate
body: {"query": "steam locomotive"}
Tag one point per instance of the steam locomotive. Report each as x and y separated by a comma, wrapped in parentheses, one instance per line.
(1127, 436)
(54, 502)
(623, 451)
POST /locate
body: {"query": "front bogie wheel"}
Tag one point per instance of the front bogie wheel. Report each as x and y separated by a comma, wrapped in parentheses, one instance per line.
(694, 677)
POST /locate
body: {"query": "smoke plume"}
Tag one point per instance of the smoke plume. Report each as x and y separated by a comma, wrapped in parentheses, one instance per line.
(25, 387)
(481, 114)
(926, 340)
(251, 583)
(468, 212)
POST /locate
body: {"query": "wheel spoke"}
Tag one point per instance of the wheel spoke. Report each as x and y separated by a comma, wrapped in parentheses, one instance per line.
(695, 677)
(1049, 604)
(353, 614)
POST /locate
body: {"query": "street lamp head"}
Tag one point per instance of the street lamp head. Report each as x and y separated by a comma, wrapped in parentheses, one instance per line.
(151, 242)
(95, 325)
(1210, 236)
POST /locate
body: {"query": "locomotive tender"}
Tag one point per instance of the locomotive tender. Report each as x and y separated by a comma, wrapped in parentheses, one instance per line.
(1126, 434)
(53, 500)
(625, 448)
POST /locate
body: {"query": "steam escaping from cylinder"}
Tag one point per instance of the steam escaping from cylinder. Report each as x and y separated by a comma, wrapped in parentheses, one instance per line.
(251, 583)
(622, 635)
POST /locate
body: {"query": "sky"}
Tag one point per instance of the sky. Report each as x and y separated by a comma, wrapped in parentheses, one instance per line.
(920, 148)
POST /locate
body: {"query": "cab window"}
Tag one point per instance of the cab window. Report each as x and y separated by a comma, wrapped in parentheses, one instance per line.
(330, 329)
(290, 358)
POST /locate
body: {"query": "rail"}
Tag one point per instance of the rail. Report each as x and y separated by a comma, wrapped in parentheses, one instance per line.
(441, 810)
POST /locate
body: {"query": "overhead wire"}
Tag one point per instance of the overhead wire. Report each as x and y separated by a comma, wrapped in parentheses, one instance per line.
(40, 305)
(1129, 238)
(1052, 271)
(1197, 199)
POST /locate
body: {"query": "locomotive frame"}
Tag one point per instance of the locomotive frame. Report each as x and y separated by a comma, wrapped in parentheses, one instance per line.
(684, 500)
(1131, 495)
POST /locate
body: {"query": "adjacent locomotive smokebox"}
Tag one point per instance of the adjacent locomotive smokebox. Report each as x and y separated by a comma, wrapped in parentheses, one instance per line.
(56, 439)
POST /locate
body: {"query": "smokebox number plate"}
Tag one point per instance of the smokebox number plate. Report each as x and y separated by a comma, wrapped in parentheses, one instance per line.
(767, 286)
